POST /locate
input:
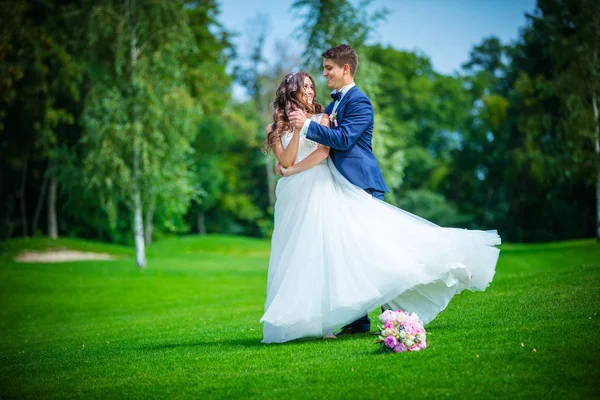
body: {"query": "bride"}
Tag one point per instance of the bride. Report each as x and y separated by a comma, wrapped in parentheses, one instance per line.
(338, 253)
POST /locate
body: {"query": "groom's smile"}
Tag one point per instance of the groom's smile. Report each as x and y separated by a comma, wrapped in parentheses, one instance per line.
(333, 73)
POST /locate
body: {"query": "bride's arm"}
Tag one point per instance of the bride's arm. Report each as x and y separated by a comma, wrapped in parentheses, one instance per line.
(321, 153)
(287, 156)
(313, 159)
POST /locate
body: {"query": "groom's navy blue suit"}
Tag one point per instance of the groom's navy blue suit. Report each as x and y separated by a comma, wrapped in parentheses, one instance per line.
(351, 142)
(351, 150)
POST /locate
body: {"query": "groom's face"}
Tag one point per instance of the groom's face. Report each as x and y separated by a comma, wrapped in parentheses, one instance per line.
(333, 73)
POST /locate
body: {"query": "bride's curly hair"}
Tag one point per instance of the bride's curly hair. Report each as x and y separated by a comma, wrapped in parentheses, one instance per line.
(288, 98)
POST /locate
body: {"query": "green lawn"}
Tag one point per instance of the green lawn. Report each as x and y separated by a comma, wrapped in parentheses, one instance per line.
(188, 327)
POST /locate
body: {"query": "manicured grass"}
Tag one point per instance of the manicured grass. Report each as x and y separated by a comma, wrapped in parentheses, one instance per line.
(188, 327)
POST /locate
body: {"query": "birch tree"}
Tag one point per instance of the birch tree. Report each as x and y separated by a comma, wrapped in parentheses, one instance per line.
(139, 117)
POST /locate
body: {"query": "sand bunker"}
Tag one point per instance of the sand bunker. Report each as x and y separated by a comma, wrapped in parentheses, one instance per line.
(56, 256)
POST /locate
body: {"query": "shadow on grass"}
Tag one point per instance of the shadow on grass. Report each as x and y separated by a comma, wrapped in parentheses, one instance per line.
(254, 343)
(234, 343)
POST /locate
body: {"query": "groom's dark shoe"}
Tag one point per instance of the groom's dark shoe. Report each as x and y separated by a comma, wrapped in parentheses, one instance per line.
(361, 325)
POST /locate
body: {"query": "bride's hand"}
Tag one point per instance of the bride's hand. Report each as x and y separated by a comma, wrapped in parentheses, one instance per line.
(277, 169)
(286, 171)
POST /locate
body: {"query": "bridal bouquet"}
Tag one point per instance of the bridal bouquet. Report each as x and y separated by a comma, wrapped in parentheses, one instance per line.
(400, 331)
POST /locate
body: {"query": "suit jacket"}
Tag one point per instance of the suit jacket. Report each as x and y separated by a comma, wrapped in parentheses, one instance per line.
(351, 141)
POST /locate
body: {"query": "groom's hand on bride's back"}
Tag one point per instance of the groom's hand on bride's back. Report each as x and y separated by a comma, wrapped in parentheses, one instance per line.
(297, 118)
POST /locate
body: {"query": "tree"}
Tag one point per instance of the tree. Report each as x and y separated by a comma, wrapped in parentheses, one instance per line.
(139, 118)
(209, 83)
(261, 77)
(253, 78)
(328, 23)
(40, 82)
(424, 111)
(478, 182)
(516, 169)
(572, 29)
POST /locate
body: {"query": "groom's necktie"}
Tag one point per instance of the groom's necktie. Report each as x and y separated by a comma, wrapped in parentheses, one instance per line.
(336, 96)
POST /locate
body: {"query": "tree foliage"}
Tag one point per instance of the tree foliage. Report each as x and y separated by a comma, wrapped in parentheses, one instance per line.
(118, 116)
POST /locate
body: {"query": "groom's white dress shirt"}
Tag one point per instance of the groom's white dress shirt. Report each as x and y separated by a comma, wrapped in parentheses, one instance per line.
(343, 91)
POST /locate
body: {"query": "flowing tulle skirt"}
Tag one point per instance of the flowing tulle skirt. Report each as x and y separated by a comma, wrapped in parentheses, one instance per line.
(337, 253)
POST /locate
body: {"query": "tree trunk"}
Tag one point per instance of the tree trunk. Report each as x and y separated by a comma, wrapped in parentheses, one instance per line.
(52, 216)
(270, 181)
(149, 227)
(22, 197)
(38, 207)
(201, 223)
(597, 120)
(138, 223)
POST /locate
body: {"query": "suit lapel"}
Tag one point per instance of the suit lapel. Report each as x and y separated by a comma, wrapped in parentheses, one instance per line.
(329, 108)
(341, 108)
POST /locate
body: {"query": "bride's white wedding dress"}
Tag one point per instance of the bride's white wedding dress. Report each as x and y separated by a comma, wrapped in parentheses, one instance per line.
(337, 253)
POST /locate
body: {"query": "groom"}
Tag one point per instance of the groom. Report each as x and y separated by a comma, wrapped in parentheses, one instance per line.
(350, 136)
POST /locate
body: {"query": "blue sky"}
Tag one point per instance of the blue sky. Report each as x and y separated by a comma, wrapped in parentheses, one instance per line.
(444, 30)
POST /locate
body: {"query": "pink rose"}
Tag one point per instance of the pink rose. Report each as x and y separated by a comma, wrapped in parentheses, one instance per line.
(388, 316)
(409, 329)
(391, 342)
(400, 348)
(413, 327)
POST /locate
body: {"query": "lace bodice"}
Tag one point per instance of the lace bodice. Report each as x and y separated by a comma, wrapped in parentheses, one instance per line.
(305, 146)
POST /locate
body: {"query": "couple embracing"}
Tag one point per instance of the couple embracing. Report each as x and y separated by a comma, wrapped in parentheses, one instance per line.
(338, 250)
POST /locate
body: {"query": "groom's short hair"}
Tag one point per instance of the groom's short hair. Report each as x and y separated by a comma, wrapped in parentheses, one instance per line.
(343, 54)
